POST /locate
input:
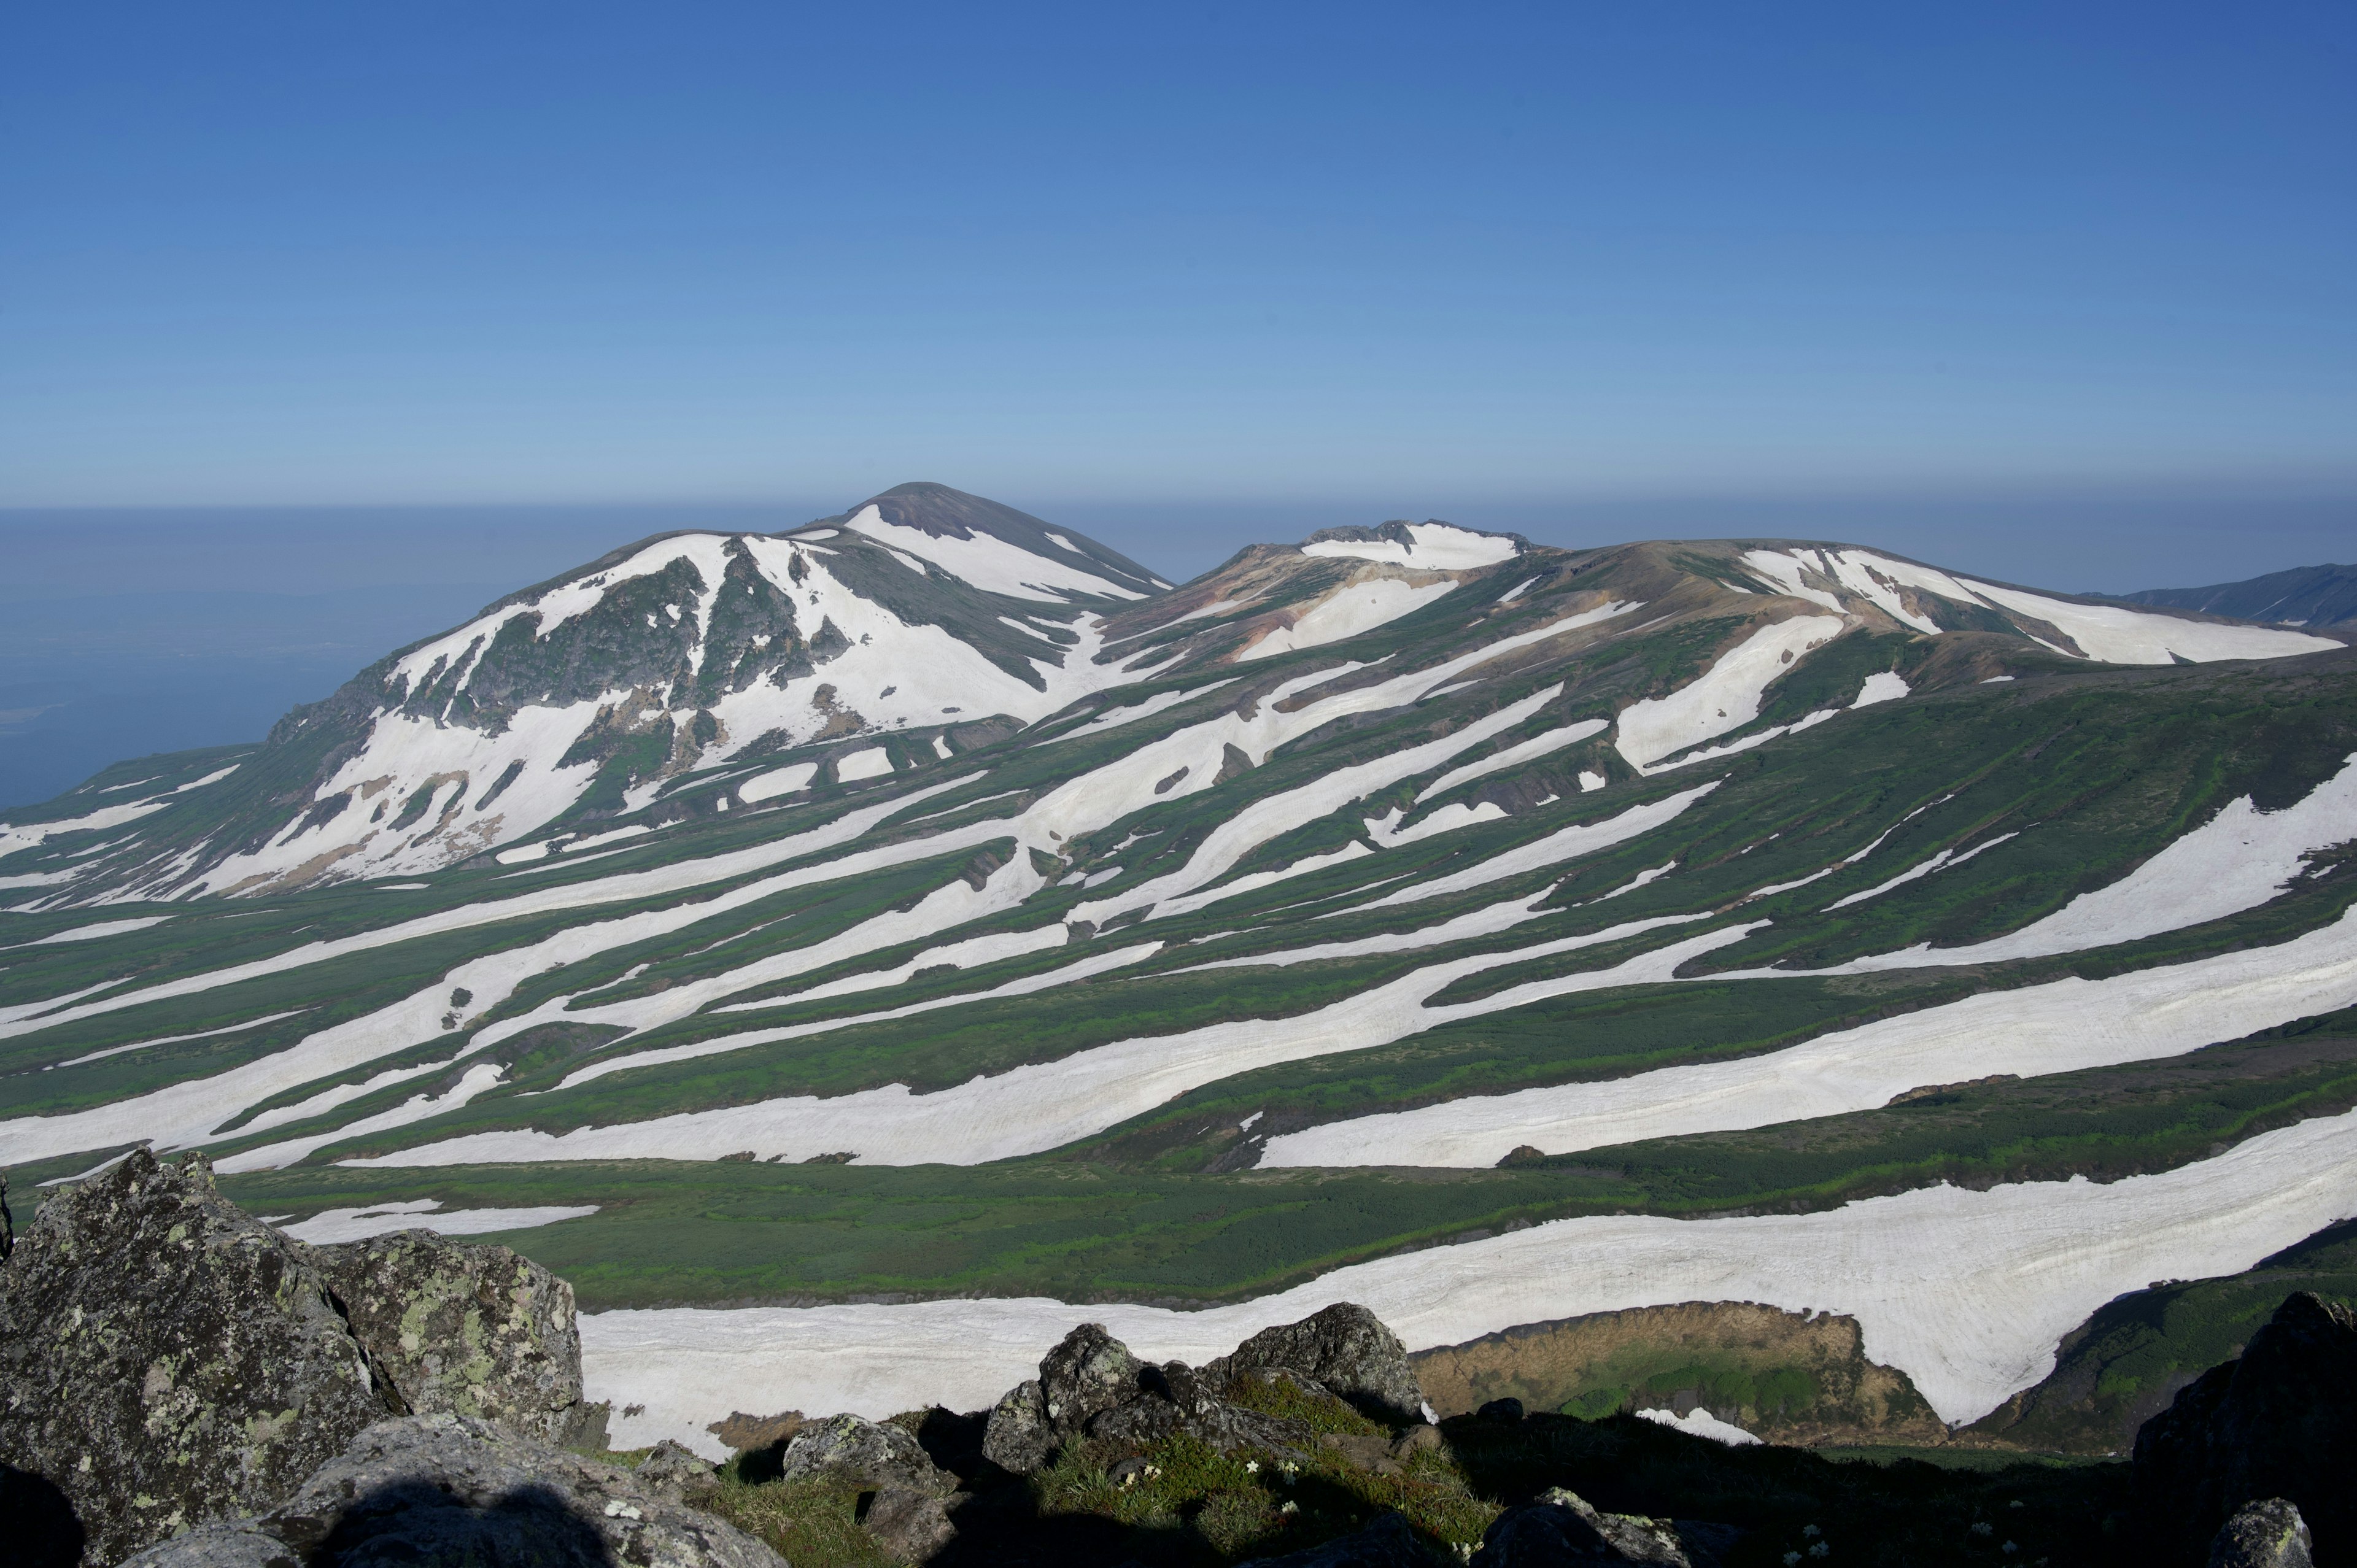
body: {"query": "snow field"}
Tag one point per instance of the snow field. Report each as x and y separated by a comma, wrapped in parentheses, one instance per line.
(1115, 718)
(873, 763)
(1966, 1292)
(1346, 612)
(778, 781)
(330, 1226)
(1436, 547)
(1514, 755)
(1725, 697)
(2060, 1027)
(89, 933)
(2238, 860)
(1041, 1106)
(1565, 843)
(15, 836)
(989, 563)
(1700, 1422)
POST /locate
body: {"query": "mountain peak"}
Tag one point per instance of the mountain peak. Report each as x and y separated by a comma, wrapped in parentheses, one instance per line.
(908, 516)
(1432, 544)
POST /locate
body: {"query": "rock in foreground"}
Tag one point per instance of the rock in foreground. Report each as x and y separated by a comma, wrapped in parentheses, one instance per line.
(167, 1359)
(2280, 1422)
(2269, 1534)
(435, 1490)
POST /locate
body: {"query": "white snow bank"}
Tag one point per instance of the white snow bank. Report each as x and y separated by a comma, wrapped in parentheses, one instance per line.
(990, 562)
(1700, 1422)
(1116, 717)
(2062, 1027)
(1565, 843)
(15, 836)
(2238, 860)
(89, 933)
(1884, 687)
(330, 1226)
(1435, 547)
(1044, 1105)
(1725, 697)
(777, 781)
(1346, 612)
(1940, 862)
(1514, 755)
(873, 763)
(1966, 1292)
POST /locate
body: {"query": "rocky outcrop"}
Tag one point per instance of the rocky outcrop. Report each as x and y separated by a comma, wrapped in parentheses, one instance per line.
(908, 1512)
(1089, 1386)
(2268, 1534)
(470, 1331)
(1560, 1528)
(1344, 1350)
(2280, 1423)
(167, 1359)
(454, 1489)
(1789, 1376)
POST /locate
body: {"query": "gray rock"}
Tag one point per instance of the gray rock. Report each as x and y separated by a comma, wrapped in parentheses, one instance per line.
(450, 1489)
(1561, 1527)
(872, 1454)
(165, 1358)
(1347, 1349)
(1386, 1543)
(2280, 1423)
(1087, 1374)
(672, 1468)
(2269, 1534)
(911, 1525)
(1018, 1439)
(469, 1331)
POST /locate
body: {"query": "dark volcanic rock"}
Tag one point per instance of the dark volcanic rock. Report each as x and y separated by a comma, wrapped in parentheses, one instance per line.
(1386, 1543)
(434, 1489)
(1346, 1348)
(2269, 1534)
(672, 1468)
(165, 1358)
(2280, 1423)
(469, 1331)
(1091, 1386)
(1087, 1374)
(1561, 1527)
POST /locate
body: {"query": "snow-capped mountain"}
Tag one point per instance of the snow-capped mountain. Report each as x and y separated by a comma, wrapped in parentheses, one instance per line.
(1619, 896)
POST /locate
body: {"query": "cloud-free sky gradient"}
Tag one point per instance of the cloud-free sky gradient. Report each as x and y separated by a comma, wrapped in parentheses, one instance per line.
(1429, 258)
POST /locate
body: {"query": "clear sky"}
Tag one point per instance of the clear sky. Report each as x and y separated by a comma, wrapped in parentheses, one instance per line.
(1568, 267)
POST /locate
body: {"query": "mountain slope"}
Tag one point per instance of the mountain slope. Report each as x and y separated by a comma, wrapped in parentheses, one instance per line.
(2313, 596)
(1414, 912)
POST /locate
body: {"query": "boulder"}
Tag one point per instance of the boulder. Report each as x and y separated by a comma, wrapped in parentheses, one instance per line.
(1346, 1348)
(456, 1489)
(167, 1359)
(1561, 1527)
(912, 1526)
(869, 1452)
(1088, 1374)
(469, 1331)
(1386, 1543)
(2280, 1422)
(2269, 1534)
(672, 1468)
(1018, 1439)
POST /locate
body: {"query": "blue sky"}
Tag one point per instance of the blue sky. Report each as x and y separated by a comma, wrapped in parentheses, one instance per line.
(1514, 263)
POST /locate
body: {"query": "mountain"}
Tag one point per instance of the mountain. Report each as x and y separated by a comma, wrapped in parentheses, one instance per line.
(2304, 595)
(919, 930)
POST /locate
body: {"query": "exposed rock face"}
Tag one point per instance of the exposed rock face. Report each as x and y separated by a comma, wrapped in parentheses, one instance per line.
(1788, 1376)
(1091, 1386)
(672, 1468)
(874, 1454)
(465, 1330)
(454, 1489)
(1561, 1527)
(2269, 1534)
(2280, 1423)
(1386, 1543)
(1346, 1350)
(165, 1358)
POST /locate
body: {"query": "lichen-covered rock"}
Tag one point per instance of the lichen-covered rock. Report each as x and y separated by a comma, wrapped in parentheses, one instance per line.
(165, 1358)
(1562, 1529)
(2280, 1423)
(872, 1453)
(465, 1330)
(2268, 1534)
(1386, 1543)
(672, 1468)
(1088, 1374)
(451, 1489)
(912, 1526)
(1018, 1439)
(1347, 1349)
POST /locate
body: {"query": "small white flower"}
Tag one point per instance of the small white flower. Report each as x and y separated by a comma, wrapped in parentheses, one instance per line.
(1981, 1527)
(1791, 1560)
(1821, 1550)
(1811, 1531)
(2009, 1546)
(1252, 1467)
(1290, 1507)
